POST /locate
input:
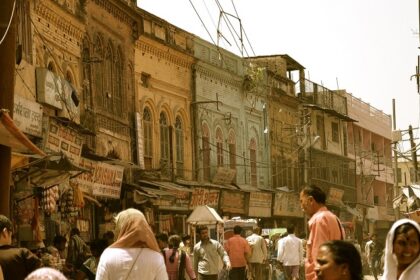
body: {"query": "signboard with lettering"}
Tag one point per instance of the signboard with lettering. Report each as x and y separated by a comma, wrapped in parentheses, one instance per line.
(260, 204)
(103, 179)
(287, 204)
(27, 115)
(202, 196)
(224, 176)
(180, 201)
(232, 202)
(64, 139)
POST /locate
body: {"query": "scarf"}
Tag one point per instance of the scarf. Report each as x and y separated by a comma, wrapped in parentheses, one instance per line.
(133, 231)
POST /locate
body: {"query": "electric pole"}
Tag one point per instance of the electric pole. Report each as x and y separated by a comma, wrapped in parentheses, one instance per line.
(7, 85)
(413, 153)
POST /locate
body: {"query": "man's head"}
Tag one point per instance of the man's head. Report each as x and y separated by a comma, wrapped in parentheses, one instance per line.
(311, 199)
(74, 231)
(237, 230)
(5, 230)
(257, 230)
(291, 229)
(162, 240)
(203, 233)
(373, 237)
(59, 242)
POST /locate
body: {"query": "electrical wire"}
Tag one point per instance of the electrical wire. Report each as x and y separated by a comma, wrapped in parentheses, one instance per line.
(25, 84)
(9, 24)
(246, 36)
(202, 22)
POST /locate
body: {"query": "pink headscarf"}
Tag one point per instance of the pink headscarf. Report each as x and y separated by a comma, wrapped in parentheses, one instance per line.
(133, 231)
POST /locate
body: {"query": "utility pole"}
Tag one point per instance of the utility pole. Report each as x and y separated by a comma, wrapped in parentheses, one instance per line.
(413, 153)
(7, 85)
(396, 190)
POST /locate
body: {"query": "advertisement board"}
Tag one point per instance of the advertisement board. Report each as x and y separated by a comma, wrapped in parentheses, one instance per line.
(232, 202)
(287, 204)
(27, 115)
(202, 196)
(260, 204)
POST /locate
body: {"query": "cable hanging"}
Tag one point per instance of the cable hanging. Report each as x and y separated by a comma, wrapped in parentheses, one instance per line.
(9, 24)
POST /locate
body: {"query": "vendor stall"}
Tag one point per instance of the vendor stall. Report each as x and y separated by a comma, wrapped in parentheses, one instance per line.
(205, 215)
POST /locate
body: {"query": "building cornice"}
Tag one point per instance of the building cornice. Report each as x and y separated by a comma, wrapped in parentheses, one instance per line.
(226, 78)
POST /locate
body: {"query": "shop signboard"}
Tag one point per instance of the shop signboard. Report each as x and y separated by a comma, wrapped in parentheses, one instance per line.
(103, 179)
(180, 201)
(287, 204)
(202, 196)
(108, 180)
(27, 115)
(260, 204)
(232, 202)
(335, 197)
(64, 139)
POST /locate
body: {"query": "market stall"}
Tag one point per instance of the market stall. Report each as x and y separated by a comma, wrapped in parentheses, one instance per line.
(205, 215)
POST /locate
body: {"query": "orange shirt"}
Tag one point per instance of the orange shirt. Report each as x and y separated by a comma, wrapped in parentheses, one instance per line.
(237, 247)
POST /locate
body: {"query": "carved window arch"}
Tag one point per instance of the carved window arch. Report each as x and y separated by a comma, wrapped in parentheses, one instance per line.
(232, 149)
(179, 135)
(253, 161)
(108, 88)
(219, 146)
(98, 58)
(148, 137)
(118, 86)
(206, 151)
(164, 137)
(87, 79)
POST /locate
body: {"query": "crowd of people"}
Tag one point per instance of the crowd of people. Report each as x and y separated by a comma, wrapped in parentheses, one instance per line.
(135, 252)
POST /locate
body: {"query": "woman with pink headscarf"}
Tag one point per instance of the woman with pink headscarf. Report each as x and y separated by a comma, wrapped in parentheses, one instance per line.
(135, 254)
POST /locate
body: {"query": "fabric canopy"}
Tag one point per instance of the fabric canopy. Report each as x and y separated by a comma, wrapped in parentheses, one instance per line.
(204, 215)
(11, 136)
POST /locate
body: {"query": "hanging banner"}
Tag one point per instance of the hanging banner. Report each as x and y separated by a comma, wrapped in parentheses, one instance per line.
(103, 179)
(287, 204)
(260, 204)
(232, 202)
(180, 201)
(201, 196)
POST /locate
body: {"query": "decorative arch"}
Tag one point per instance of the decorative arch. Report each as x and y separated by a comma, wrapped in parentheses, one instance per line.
(253, 161)
(148, 136)
(219, 146)
(232, 149)
(205, 139)
(164, 136)
(118, 83)
(179, 142)
(98, 71)
(108, 74)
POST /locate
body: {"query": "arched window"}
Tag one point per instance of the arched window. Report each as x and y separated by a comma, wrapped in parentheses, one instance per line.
(148, 138)
(179, 135)
(98, 66)
(108, 88)
(206, 151)
(87, 100)
(219, 146)
(118, 85)
(253, 161)
(164, 137)
(232, 151)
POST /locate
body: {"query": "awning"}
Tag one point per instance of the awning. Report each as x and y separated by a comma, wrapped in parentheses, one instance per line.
(248, 188)
(205, 184)
(11, 136)
(165, 185)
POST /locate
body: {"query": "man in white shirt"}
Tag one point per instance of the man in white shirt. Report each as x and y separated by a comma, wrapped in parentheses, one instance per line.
(258, 253)
(290, 254)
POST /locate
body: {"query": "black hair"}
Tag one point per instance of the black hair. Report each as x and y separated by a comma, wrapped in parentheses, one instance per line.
(291, 228)
(59, 239)
(201, 228)
(344, 252)
(98, 246)
(404, 228)
(5, 223)
(186, 237)
(316, 192)
(174, 241)
(237, 229)
(108, 235)
(74, 231)
(162, 237)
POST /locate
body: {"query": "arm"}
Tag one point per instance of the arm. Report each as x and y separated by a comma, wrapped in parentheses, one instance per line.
(189, 268)
(280, 250)
(320, 235)
(263, 247)
(247, 249)
(102, 271)
(301, 260)
(195, 263)
(222, 253)
(32, 262)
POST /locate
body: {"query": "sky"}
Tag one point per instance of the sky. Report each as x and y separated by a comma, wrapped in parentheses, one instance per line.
(368, 47)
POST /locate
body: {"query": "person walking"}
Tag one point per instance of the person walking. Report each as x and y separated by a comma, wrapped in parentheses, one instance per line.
(207, 253)
(323, 225)
(258, 254)
(78, 251)
(370, 251)
(177, 261)
(135, 254)
(238, 251)
(16, 263)
(290, 254)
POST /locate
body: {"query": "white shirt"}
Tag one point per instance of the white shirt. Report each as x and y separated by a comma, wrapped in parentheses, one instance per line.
(259, 248)
(115, 264)
(290, 250)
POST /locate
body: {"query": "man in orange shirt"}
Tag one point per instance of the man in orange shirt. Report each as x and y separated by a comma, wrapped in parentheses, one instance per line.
(323, 225)
(238, 250)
